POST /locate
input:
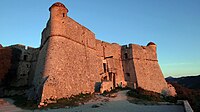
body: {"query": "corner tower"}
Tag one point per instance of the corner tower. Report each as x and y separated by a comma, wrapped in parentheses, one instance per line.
(58, 11)
(56, 22)
(67, 63)
(148, 73)
(153, 46)
(58, 16)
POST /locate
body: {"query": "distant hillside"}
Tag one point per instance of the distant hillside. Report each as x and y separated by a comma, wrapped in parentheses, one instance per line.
(192, 82)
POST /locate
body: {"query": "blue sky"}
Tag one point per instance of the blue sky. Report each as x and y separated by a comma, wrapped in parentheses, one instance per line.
(174, 25)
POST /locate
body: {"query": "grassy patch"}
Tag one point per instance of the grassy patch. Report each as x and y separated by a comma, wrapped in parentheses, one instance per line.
(72, 101)
(22, 102)
(75, 100)
(113, 91)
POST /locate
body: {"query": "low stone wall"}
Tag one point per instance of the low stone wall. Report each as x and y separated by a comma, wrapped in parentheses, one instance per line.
(186, 105)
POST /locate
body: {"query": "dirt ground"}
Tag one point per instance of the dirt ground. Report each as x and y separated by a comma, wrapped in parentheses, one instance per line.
(119, 103)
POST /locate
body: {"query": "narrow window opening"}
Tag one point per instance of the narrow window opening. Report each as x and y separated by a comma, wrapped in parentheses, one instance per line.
(63, 14)
(25, 57)
(104, 67)
(128, 74)
(23, 75)
(28, 66)
(127, 77)
(110, 76)
(105, 78)
(126, 56)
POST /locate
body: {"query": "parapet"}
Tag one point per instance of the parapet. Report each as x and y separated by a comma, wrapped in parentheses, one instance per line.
(19, 46)
(127, 46)
(144, 52)
(22, 47)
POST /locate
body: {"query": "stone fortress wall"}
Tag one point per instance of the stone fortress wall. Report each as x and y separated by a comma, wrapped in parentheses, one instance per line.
(17, 68)
(26, 65)
(148, 73)
(5, 60)
(70, 61)
(73, 58)
(76, 62)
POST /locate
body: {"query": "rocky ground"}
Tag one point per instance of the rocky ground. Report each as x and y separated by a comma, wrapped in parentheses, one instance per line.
(117, 102)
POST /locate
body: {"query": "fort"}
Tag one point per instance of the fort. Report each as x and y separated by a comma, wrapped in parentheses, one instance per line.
(70, 60)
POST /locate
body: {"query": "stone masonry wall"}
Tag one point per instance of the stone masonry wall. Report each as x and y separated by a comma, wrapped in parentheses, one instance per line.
(72, 61)
(74, 58)
(108, 50)
(16, 69)
(39, 79)
(25, 66)
(148, 73)
(128, 66)
(117, 64)
(11, 57)
(69, 71)
(5, 60)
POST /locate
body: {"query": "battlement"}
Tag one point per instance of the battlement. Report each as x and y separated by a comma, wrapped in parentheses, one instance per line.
(23, 47)
(127, 46)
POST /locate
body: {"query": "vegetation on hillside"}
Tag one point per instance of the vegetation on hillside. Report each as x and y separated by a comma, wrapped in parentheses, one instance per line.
(192, 95)
(192, 82)
(183, 93)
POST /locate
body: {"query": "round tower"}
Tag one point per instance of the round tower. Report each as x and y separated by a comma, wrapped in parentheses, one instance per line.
(152, 45)
(58, 17)
(58, 11)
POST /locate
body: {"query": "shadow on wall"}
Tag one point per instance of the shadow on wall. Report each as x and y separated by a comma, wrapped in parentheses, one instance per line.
(35, 93)
(40, 89)
(11, 76)
(39, 80)
(97, 86)
(128, 66)
(10, 58)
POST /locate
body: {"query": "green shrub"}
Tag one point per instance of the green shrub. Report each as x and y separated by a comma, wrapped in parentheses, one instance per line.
(150, 96)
